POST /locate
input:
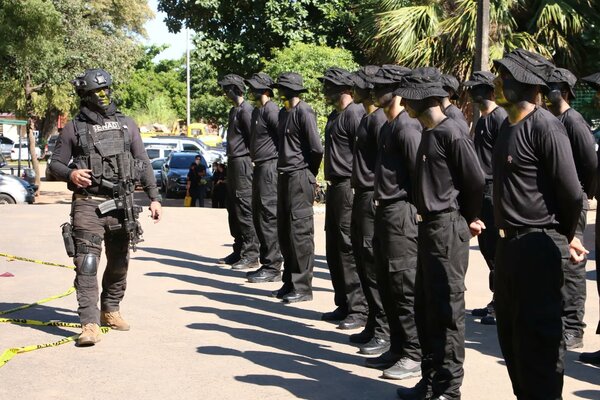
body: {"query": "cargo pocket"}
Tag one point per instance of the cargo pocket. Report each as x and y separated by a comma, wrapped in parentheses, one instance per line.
(402, 271)
(303, 229)
(464, 233)
(367, 248)
(456, 303)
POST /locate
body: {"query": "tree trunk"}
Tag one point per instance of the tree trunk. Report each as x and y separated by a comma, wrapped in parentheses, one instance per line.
(30, 128)
(49, 123)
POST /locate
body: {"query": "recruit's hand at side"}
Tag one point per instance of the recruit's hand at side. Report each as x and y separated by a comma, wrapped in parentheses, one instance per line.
(155, 211)
(577, 250)
(476, 227)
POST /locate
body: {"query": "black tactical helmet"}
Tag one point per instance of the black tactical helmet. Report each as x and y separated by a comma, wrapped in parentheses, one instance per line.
(92, 79)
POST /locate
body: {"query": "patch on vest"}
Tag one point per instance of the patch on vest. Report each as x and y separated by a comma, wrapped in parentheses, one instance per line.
(108, 126)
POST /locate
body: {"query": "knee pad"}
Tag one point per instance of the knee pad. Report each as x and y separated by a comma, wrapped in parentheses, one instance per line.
(89, 265)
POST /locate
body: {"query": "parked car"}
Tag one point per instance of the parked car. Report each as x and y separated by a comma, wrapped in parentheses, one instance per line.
(159, 150)
(157, 168)
(14, 152)
(50, 145)
(14, 190)
(6, 145)
(175, 170)
(182, 143)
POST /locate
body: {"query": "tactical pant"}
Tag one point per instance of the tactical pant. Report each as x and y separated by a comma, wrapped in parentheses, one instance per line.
(94, 227)
(239, 207)
(198, 194)
(295, 227)
(440, 300)
(264, 212)
(395, 250)
(349, 296)
(574, 288)
(489, 236)
(597, 248)
(362, 229)
(529, 277)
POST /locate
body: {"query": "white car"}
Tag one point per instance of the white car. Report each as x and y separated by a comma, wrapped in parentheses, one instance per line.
(14, 152)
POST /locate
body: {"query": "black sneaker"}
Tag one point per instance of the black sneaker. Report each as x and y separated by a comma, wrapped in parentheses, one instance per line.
(384, 361)
(265, 275)
(573, 341)
(482, 312)
(245, 263)
(374, 346)
(230, 259)
(362, 337)
(336, 315)
(420, 391)
(282, 291)
(488, 320)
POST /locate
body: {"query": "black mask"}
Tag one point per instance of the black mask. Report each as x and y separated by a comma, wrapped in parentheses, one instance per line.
(416, 108)
(99, 101)
(480, 93)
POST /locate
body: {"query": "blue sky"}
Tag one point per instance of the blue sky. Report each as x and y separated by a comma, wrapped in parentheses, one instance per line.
(159, 34)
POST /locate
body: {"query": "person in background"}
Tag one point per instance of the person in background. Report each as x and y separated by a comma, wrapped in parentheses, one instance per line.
(196, 183)
(219, 194)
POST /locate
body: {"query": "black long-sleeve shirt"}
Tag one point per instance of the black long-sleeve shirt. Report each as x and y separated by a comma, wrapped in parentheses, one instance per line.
(583, 148)
(299, 141)
(239, 130)
(486, 132)
(67, 147)
(448, 173)
(365, 150)
(454, 112)
(535, 180)
(396, 158)
(264, 140)
(340, 132)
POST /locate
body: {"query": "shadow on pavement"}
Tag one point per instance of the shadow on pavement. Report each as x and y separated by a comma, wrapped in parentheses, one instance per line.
(43, 313)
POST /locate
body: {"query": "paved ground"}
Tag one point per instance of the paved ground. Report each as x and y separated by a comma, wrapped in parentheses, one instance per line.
(200, 331)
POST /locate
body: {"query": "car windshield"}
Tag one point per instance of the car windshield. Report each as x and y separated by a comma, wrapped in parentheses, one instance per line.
(157, 164)
(183, 161)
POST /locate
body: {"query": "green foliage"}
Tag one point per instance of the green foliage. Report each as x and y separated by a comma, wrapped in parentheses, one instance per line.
(310, 61)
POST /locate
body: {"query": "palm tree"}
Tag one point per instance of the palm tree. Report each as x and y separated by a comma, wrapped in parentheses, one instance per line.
(442, 32)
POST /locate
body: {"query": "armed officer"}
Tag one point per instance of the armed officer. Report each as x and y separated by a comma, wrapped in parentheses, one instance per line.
(108, 157)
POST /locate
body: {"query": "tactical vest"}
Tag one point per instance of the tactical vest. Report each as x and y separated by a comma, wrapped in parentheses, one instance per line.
(99, 146)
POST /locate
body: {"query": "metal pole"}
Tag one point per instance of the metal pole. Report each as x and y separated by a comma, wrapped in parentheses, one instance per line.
(188, 76)
(482, 44)
(20, 142)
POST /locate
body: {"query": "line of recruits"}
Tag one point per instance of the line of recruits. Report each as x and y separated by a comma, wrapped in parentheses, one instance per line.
(408, 187)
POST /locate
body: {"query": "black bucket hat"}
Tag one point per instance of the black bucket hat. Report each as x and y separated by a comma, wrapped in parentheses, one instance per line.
(363, 75)
(563, 75)
(593, 80)
(389, 74)
(338, 77)
(290, 80)
(479, 78)
(527, 67)
(232, 80)
(421, 84)
(260, 81)
(450, 82)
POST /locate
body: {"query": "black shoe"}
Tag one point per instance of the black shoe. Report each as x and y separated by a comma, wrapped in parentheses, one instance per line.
(482, 312)
(255, 272)
(296, 297)
(384, 361)
(361, 338)
(336, 315)
(230, 259)
(352, 322)
(590, 358)
(282, 291)
(488, 320)
(375, 346)
(264, 275)
(573, 341)
(419, 392)
(245, 263)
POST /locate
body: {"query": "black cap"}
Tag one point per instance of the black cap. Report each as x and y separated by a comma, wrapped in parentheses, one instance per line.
(92, 79)
(232, 80)
(363, 75)
(479, 78)
(389, 74)
(422, 83)
(527, 67)
(450, 82)
(260, 81)
(593, 80)
(290, 80)
(563, 75)
(338, 77)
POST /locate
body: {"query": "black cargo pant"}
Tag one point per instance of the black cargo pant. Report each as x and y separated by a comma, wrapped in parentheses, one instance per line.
(440, 300)
(296, 228)
(362, 230)
(95, 228)
(395, 250)
(264, 212)
(489, 236)
(574, 288)
(597, 248)
(528, 281)
(349, 296)
(239, 207)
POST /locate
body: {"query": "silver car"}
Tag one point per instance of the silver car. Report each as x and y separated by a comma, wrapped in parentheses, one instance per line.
(14, 190)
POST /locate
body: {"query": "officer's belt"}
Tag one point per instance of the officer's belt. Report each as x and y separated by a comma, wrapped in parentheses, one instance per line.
(387, 202)
(436, 215)
(509, 233)
(337, 180)
(91, 197)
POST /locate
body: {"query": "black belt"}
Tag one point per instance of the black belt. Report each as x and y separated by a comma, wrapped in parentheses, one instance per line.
(509, 233)
(387, 202)
(433, 214)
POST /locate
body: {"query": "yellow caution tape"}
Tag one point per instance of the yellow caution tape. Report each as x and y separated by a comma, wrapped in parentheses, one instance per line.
(11, 257)
(7, 355)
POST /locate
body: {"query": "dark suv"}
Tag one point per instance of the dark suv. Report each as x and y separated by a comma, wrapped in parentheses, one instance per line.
(175, 170)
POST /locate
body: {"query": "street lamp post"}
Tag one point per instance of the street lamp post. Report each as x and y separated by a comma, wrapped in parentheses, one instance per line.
(482, 44)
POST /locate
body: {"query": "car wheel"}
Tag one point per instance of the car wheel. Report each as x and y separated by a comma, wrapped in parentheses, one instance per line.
(6, 199)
